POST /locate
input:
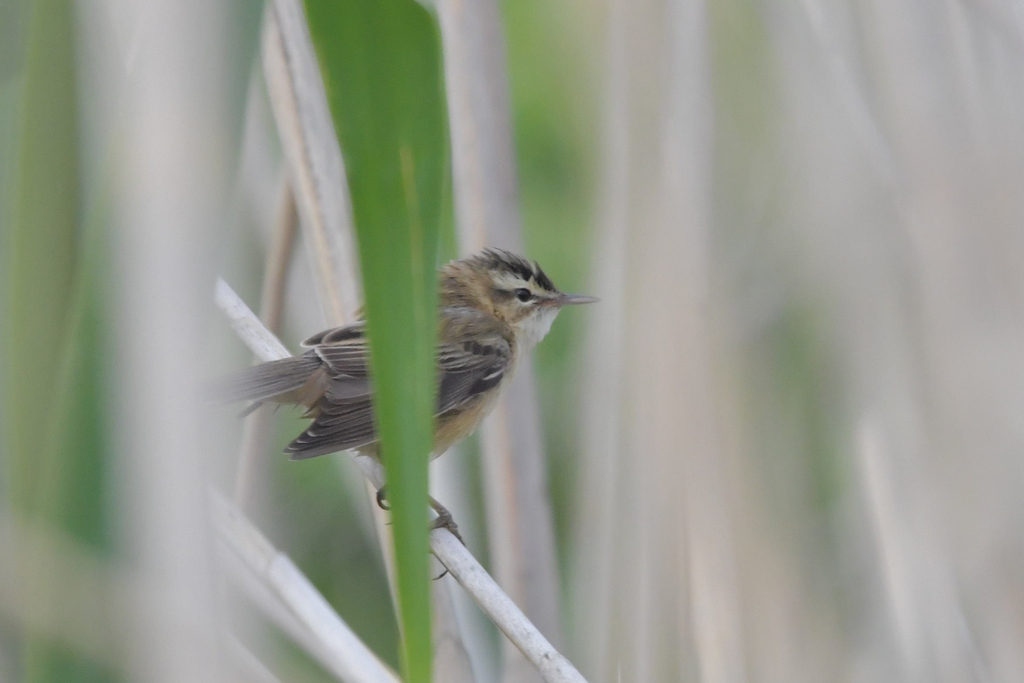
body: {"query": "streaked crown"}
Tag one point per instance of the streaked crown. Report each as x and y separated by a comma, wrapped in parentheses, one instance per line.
(510, 288)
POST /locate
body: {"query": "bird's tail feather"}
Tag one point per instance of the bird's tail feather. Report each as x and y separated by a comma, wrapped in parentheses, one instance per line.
(264, 381)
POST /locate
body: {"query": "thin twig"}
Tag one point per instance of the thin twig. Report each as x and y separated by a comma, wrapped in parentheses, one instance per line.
(279, 258)
(247, 325)
(452, 554)
(503, 612)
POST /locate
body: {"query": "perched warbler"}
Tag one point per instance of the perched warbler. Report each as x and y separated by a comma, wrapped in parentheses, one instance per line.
(494, 306)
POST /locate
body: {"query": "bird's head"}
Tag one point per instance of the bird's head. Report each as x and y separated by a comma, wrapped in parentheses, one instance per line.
(508, 287)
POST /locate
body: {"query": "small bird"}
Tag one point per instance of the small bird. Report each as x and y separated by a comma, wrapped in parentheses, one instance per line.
(494, 306)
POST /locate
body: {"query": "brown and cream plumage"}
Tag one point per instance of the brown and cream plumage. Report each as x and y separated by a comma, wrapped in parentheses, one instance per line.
(493, 307)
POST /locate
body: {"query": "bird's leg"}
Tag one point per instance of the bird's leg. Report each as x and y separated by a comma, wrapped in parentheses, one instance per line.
(444, 520)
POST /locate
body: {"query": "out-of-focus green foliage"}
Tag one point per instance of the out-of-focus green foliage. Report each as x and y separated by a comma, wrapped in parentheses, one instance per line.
(381, 64)
(40, 246)
(54, 327)
(52, 386)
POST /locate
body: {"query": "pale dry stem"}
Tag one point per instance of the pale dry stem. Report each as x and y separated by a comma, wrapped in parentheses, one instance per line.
(553, 667)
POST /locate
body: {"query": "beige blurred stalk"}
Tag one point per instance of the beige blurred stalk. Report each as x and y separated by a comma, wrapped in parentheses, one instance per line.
(930, 319)
(811, 454)
(662, 570)
(520, 528)
(313, 155)
(168, 91)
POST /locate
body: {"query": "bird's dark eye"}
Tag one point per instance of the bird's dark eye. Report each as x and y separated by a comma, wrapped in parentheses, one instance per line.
(523, 294)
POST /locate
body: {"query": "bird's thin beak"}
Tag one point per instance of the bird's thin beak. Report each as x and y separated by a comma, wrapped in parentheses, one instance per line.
(571, 300)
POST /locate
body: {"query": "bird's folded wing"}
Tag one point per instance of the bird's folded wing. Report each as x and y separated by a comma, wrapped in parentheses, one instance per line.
(344, 416)
(470, 368)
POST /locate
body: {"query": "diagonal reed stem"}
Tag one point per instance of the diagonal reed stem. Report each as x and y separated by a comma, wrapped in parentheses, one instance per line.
(339, 649)
(554, 668)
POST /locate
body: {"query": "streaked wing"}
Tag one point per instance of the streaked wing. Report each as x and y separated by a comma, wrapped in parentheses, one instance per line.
(473, 356)
(343, 416)
(468, 369)
(337, 335)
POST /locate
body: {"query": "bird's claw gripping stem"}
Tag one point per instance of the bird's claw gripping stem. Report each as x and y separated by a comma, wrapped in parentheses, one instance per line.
(444, 518)
(382, 498)
(444, 521)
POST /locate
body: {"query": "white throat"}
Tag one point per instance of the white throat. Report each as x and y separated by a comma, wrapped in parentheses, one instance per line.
(537, 326)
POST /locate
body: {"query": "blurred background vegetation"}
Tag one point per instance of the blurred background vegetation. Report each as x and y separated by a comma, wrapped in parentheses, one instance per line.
(786, 447)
